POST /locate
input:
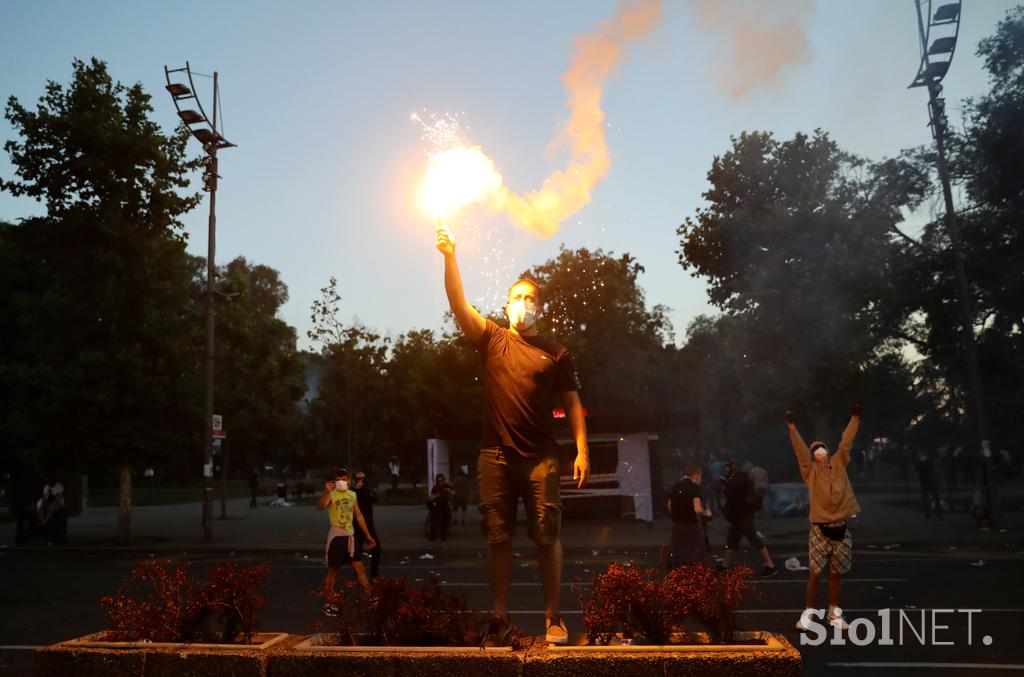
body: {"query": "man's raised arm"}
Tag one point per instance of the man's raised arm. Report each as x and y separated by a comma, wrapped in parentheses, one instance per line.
(470, 321)
(803, 455)
(846, 443)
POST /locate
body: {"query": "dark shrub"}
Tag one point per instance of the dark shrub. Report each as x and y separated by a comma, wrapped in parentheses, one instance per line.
(646, 605)
(158, 603)
(394, 613)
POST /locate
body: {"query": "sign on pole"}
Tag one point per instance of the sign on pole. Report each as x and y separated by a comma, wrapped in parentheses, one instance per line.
(218, 422)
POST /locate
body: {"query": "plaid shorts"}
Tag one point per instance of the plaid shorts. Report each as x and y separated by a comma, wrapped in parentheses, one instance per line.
(821, 550)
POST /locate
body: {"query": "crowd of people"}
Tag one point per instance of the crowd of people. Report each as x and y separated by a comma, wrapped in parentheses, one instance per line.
(725, 488)
(739, 494)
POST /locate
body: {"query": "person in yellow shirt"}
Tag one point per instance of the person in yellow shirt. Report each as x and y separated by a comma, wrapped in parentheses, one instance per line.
(342, 546)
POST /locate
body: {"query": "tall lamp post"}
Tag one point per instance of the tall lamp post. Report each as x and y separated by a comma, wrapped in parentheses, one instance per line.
(204, 129)
(938, 32)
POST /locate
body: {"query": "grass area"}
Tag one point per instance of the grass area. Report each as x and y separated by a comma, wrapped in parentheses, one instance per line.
(165, 494)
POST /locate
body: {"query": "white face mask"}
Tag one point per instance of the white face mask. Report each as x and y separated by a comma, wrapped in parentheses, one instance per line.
(522, 314)
(341, 485)
(820, 454)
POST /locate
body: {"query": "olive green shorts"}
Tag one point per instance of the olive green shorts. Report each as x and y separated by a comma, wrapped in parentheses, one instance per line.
(504, 476)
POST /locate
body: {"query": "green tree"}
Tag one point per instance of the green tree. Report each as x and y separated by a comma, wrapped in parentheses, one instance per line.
(102, 356)
(987, 164)
(260, 374)
(594, 305)
(796, 244)
(352, 366)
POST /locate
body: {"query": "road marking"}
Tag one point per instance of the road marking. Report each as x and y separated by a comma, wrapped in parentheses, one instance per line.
(861, 611)
(19, 647)
(477, 584)
(961, 666)
(787, 611)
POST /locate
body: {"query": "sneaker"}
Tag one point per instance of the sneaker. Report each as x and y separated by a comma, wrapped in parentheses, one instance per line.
(835, 619)
(498, 632)
(330, 610)
(768, 572)
(805, 620)
(557, 632)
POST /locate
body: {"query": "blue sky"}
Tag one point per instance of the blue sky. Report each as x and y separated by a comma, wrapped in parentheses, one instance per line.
(317, 95)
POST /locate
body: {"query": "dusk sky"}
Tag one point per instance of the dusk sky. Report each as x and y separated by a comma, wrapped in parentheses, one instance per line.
(318, 97)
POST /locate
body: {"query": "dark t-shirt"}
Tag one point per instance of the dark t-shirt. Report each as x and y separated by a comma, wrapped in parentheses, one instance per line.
(736, 490)
(523, 376)
(683, 493)
(366, 497)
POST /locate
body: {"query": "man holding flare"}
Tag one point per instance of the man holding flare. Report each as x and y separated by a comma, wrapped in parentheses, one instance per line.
(525, 378)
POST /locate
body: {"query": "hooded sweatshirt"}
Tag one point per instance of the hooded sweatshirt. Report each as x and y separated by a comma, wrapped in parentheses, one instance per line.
(828, 485)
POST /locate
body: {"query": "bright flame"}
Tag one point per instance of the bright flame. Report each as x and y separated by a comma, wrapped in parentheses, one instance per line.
(455, 178)
(764, 39)
(459, 174)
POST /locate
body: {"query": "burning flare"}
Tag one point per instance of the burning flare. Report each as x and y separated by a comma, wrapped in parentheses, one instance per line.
(758, 40)
(459, 174)
(455, 178)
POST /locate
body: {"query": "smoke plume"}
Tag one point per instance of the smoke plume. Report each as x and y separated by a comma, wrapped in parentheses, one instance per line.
(595, 56)
(756, 40)
(757, 44)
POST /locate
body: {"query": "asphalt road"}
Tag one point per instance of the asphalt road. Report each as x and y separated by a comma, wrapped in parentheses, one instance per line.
(48, 595)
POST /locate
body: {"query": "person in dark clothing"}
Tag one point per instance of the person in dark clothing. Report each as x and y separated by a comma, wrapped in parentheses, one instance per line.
(366, 497)
(741, 503)
(950, 461)
(254, 486)
(929, 486)
(461, 487)
(526, 376)
(968, 463)
(689, 545)
(440, 507)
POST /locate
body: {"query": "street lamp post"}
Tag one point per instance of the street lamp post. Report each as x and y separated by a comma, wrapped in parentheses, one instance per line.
(205, 130)
(936, 57)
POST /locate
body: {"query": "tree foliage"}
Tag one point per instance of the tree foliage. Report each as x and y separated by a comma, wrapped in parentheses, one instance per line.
(594, 304)
(260, 373)
(100, 352)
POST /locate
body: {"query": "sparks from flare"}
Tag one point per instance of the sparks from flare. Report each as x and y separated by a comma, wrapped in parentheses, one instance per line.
(451, 157)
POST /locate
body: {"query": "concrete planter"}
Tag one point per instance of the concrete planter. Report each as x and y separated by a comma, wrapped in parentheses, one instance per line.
(290, 656)
(317, 654)
(93, 655)
(326, 641)
(762, 655)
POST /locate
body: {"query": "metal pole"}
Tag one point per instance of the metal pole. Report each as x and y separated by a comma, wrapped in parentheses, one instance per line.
(936, 109)
(211, 250)
(223, 447)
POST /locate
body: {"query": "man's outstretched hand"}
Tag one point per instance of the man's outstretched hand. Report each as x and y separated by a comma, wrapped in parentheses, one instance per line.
(445, 241)
(855, 410)
(790, 417)
(581, 469)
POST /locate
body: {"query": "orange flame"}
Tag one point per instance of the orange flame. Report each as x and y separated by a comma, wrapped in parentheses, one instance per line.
(457, 177)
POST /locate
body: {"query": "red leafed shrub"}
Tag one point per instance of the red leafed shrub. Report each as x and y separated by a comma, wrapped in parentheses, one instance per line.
(158, 603)
(234, 599)
(646, 605)
(395, 613)
(712, 597)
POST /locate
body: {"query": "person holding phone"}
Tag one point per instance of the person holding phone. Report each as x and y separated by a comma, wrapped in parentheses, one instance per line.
(343, 511)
